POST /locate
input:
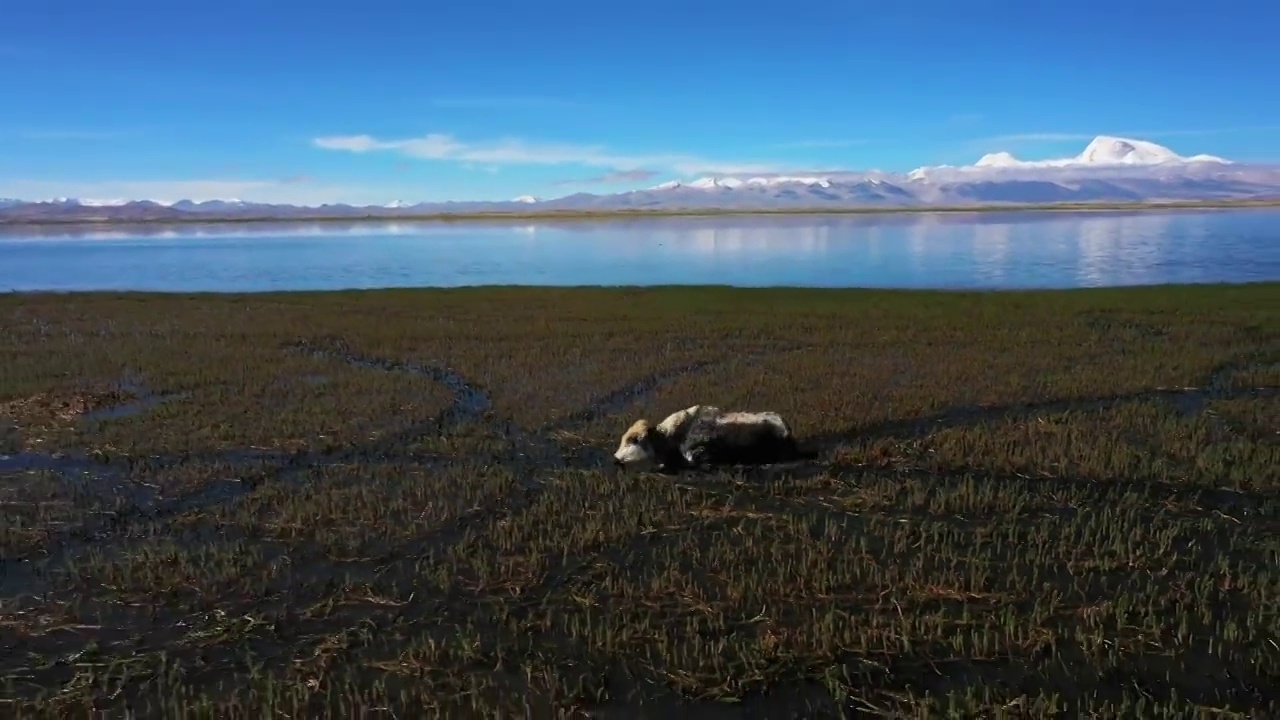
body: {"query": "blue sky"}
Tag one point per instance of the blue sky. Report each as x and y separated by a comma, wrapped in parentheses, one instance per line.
(324, 101)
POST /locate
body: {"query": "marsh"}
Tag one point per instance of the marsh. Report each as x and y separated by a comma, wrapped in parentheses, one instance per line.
(1042, 492)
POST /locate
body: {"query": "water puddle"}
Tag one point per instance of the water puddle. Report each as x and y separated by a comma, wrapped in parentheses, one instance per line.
(212, 494)
(137, 406)
(1190, 404)
(62, 464)
(83, 475)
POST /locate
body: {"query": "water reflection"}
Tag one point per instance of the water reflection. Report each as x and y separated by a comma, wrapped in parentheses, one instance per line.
(1113, 251)
(991, 251)
(159, 231)
(729, 241)
(972, 250)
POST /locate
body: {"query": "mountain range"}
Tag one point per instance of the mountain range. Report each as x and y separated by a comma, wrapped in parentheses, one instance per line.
(1109, 170)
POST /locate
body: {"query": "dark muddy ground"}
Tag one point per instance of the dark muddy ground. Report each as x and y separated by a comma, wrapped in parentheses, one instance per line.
(1022, 536)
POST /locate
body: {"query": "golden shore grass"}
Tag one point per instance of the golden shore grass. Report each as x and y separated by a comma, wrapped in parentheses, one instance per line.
(398, 504)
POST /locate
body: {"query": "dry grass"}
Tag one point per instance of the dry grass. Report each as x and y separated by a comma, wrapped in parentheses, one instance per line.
(371, 504)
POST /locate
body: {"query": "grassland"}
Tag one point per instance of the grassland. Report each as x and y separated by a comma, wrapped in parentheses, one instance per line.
(398, 504)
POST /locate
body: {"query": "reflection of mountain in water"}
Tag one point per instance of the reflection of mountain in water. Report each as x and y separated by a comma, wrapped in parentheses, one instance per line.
(933, 249)
(801, 241)
(698, 242)
(975, 250)
(991, 250)
(1084, 249)
(1125, 249)
(1078, 249)
(202, 231)
(917, 237)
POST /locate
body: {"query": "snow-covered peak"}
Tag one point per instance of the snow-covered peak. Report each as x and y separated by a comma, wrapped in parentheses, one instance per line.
(790, 180)
(1203, 158)
(997, 159)
(91, 202)
(121, 202)
(527, 199)
(397, 204)
(733, 183)
(708, 183)
(1102, 151)
(1107, 150)
(112, 202)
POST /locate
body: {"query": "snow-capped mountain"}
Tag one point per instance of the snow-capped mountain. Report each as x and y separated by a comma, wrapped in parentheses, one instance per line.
(1109, 169)
(209, 205)
(1104, 154)
(733, 183)
(1103, 151)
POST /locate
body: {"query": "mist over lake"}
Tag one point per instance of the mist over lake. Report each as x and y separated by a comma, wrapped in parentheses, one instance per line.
(991, 250)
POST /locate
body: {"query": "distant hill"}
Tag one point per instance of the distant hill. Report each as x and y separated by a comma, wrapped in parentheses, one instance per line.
(1109, 170)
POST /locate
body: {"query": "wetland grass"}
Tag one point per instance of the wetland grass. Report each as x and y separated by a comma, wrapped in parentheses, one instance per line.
(397, 503)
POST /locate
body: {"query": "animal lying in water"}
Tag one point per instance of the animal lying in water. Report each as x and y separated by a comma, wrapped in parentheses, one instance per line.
(703, 435)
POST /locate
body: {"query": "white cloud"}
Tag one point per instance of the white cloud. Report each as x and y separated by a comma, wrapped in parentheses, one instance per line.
(354, 143)
(295, 190)
(513, 151)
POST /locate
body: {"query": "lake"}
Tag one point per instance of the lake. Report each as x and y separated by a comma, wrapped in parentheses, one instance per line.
(992, 250)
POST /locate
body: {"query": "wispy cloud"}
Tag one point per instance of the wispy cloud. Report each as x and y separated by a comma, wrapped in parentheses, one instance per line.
(621, 176)
(514, 151)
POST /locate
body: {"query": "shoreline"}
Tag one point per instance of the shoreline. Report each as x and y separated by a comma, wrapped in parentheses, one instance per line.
(704, 289)
(606, 215)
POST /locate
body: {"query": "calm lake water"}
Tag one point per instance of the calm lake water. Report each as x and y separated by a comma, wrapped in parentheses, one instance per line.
(939, 250)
